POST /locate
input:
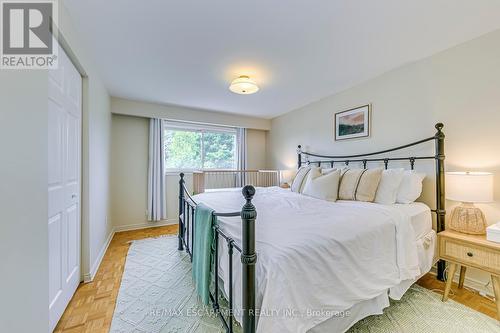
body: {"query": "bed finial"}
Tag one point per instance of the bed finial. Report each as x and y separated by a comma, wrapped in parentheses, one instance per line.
(299, 156)
(182, 175)
(248, 192)
(439, 127)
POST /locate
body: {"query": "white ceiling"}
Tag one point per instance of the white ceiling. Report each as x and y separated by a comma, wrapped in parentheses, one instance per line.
(186, 52)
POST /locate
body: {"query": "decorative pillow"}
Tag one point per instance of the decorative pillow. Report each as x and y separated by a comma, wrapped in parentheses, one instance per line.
(359, 184)
(411, 187)
(325, 171)
(368, 185)
(387, 191)
(349, 183)
(323, 187)
(299, 179)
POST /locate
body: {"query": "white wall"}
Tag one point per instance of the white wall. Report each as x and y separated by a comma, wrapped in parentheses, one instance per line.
(23, 201)
(96, 230)
(172, 112)
(256, 149)
(129, 172)
(23, 190)
(98, 166)
(459, 87)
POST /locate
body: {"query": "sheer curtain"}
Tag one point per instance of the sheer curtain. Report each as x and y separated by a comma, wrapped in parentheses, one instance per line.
(157, 201)
(241, 138)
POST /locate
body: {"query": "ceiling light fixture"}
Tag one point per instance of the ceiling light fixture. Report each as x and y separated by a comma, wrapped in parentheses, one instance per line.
(243, 85)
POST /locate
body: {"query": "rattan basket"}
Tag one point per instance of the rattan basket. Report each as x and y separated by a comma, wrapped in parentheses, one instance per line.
(468, 219)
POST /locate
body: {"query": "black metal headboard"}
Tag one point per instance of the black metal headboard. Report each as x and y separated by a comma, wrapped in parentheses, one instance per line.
(439, 157)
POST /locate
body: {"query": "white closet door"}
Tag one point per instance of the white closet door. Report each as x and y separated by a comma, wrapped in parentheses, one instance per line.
(65, 114)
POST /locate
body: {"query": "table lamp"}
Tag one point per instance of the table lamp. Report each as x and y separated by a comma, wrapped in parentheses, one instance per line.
(469, 188)
(286, 176)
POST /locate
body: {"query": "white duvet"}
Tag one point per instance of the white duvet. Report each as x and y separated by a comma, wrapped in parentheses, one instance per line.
(316, 257)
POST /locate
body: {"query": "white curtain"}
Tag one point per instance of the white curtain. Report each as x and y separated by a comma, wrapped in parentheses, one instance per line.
(241, 138)
(157, 201)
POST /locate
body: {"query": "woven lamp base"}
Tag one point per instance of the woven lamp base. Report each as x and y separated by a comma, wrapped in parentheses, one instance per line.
(468, 219)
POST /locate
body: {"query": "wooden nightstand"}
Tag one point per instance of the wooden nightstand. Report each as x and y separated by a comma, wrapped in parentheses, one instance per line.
(470, 251)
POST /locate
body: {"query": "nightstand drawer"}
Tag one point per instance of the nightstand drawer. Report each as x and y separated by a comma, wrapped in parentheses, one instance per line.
(461, 252)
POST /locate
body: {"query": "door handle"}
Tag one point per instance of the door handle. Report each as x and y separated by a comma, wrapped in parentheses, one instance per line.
(73, 196)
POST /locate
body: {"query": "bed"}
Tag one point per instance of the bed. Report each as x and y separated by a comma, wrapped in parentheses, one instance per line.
(321, 266)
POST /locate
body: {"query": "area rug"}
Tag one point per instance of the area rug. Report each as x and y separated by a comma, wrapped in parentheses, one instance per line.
(157, 295)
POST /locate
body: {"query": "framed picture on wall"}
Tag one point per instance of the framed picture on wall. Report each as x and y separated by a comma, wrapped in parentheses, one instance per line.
(352, 123)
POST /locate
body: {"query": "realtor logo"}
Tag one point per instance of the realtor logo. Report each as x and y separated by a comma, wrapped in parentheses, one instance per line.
(27, 41)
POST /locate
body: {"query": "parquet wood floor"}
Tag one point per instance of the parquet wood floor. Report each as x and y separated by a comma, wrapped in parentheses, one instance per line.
(465, 296)
(93, 304)
(91, 308)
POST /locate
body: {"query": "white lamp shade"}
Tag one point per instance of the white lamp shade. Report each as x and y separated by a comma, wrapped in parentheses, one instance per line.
(287, 175)
(469, 186)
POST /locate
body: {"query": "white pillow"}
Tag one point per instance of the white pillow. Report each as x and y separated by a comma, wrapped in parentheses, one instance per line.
(323, 187)
(325, 171)
(388, 187)
(411, 187)
(299, 179)
(315, 169)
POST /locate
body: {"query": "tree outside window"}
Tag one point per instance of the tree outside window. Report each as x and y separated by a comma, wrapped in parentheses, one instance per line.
(198, 148)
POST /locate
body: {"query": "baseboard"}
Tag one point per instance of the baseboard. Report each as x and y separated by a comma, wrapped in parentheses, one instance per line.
(471, 283)
(145, 225)
(88, 277)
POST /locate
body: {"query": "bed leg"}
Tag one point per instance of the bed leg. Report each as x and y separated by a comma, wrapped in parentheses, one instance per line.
(248, 260)
(440, 191)
(181, 204)
(441, 265)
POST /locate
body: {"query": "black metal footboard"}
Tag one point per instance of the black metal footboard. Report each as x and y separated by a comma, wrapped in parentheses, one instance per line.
(248, 214)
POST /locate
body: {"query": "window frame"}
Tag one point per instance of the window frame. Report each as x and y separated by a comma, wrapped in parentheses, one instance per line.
(201, 128)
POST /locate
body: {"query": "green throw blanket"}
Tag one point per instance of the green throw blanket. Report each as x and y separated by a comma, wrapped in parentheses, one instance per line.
(202, 251)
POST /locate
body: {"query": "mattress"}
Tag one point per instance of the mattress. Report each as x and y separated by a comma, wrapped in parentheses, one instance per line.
(295, 233)
(420, 217)
(418, 212)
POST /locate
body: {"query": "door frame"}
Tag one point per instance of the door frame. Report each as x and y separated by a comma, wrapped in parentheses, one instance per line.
(85, 265)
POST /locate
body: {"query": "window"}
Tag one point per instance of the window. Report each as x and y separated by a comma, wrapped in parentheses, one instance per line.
(193, 146)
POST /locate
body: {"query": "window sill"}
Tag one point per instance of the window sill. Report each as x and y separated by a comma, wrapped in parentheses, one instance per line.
(177, 172)
(191, 171)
